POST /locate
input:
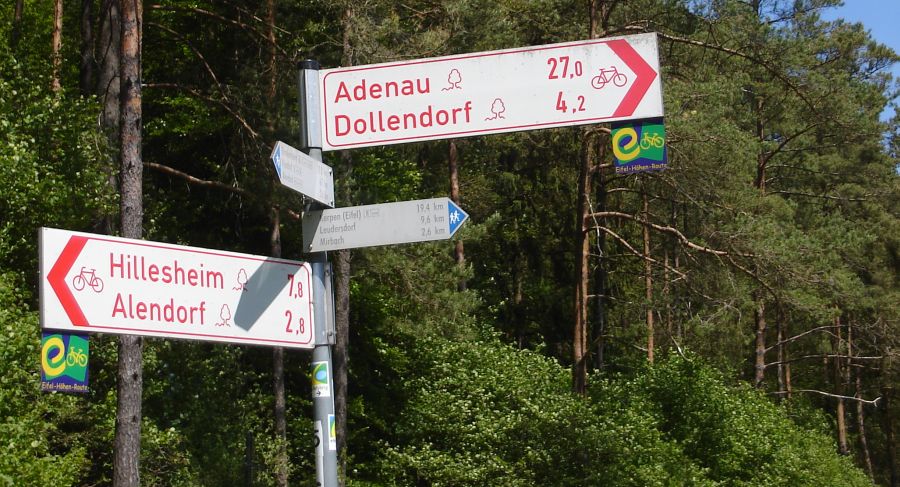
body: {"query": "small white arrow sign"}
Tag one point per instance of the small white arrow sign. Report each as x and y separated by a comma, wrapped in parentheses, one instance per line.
(303, 174)
(382, 224)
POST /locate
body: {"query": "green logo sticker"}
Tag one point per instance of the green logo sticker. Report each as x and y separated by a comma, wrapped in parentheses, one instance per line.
(639, 146)
(64, 363)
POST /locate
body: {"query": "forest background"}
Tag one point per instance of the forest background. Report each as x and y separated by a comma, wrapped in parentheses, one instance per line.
(731, 320)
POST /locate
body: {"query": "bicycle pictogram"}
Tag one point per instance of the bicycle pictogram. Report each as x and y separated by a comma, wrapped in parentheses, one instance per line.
(89, 278)
(76, 356)
(609, 75)
(652, 140)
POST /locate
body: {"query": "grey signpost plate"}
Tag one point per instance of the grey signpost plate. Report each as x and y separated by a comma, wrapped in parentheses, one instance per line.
(303, 174)
(382, 224)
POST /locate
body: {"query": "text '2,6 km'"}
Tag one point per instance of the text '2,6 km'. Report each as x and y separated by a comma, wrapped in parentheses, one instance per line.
(482, 93)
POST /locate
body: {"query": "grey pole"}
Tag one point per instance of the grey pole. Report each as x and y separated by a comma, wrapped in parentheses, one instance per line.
(323, 308)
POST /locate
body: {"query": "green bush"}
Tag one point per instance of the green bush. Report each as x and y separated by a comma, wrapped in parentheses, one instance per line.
(33, 449)
(739, 436)
(486, 414)
(483, 413)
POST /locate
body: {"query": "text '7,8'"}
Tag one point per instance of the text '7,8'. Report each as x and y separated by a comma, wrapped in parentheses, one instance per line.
(292, 291)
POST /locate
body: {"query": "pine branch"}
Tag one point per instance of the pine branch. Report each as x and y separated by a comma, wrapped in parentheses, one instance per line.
(634, 251)
(216, 185)
(667, 229)
(823, 196)
(199, 55)
(242, 25)
(201, 96)
(777, 74)
(797, 337)
(195, 180)
(823, 355)
(873, 402)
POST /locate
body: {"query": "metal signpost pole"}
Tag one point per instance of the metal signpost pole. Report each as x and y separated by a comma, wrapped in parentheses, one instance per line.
(322, 372)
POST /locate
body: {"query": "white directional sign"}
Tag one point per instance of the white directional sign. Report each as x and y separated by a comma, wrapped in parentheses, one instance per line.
(384, 224)
(303, 174)
(556, 85)
(95, 283)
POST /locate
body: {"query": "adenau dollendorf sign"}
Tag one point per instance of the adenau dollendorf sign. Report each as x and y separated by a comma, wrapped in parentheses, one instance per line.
(573, 83)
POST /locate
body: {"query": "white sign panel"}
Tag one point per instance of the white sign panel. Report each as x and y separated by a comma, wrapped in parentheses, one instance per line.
(303, 174)
(96, 283)
(383, 224)
(556, 85)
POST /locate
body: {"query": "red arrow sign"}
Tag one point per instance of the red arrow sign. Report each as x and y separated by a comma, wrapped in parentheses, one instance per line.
(57, 279)
(491, 92)
(643, 72)
(137, 287)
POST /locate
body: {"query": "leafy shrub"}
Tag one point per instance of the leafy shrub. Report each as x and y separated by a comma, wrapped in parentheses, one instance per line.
(483, 413)
(739, 436)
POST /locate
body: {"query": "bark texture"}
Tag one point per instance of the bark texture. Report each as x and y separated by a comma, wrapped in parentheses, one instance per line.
(56, 45)
(281, 460)
(86, 67)
(648, 279)
(130, 375)
(453, 162)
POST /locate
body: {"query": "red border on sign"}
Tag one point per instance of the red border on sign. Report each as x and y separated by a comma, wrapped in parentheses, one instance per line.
(494, 130)
(79, 241)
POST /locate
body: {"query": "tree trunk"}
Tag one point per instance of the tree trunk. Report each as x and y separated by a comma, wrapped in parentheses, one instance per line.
(130, 376)
(759, 315)
(453, 161)
(784, 357)
(782, 385)
(108, 78)
(759, 294)
(838, 375)
(582, 250)
(667, 293)
(341, 355)
(600, 291)
(56, 45)
(887, 425)
(648, 276)
(281, 456)
(249, 449)
(861, 427)
(271, 65)
(16, 33)
(518, 277)
(342, 260)
(598, 19)
(108, 88)
(86, 68)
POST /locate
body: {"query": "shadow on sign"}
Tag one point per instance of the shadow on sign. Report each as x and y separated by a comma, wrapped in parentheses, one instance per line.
(262, 288)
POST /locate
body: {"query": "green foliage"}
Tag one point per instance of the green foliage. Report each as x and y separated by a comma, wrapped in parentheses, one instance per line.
(50, 173)
(34, 442)
(737, 435)
(481, 411)
(776, 156)
(474, 412)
